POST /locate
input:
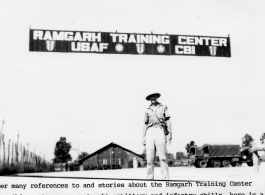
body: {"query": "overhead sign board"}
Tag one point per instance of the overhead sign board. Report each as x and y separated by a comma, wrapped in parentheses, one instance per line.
(128, 43)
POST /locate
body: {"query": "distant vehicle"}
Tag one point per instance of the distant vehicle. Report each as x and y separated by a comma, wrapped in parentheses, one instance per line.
(219, 156)
(195, 155)
(178, 163)
(58, 167)
(185, 163)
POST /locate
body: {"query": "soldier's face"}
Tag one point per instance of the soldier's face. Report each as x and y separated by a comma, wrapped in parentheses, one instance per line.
(262, 141)
(153, 99)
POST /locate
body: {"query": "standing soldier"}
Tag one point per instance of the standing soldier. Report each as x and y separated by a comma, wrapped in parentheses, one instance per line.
(157, 129)
(248, 145)
(259, 148)
(255, 150)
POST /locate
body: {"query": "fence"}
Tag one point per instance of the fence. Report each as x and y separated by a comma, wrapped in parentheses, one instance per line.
(16, 158)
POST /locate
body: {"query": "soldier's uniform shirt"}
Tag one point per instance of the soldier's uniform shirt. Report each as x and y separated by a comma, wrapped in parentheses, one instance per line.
(153, 112)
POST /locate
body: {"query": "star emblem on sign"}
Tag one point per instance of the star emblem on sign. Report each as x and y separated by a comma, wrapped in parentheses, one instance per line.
(160, 48)
(119, 47)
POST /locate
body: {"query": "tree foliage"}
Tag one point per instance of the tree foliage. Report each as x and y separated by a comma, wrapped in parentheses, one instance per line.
(61, 151)
(170, 156)
(180, 155)
(82, 155)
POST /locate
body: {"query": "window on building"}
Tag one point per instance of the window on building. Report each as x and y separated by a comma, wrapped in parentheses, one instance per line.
(122, 161)
(105, 161)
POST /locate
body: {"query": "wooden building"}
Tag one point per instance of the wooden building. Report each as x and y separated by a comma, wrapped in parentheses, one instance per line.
(112, 154)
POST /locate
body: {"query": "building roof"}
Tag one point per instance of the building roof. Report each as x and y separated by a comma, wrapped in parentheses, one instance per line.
(112, 144)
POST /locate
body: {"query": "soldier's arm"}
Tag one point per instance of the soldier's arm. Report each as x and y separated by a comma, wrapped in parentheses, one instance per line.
(144, 133)
(169, 130)
(167, 118)
(145, 127)
(257, 149)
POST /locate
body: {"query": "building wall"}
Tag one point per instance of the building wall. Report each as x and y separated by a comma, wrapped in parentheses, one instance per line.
(113, 156)
(92, 161)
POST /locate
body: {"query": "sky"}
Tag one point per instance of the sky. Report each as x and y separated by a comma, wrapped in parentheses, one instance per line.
(96, 99)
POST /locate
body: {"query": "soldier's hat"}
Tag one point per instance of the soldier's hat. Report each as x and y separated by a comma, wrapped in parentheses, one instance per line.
(153, 94)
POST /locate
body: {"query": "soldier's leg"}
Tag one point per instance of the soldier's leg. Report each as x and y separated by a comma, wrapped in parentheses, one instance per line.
(161, 146)
(150, 152)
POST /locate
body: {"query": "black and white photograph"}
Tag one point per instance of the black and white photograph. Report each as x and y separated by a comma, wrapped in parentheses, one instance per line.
(117, 97)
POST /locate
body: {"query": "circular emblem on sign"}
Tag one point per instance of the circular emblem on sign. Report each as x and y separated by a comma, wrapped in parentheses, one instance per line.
(119, 47)
(160, 48)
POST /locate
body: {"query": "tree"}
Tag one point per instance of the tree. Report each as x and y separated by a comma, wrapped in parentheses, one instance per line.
(170, 156)
(180, 155)
(61, 151)
(82, 155)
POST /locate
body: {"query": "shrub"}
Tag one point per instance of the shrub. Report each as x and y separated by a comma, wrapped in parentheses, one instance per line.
(8, 170)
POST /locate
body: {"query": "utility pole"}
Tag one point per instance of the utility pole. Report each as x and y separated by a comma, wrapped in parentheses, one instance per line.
(16, 149)
(1, 138)
(110, 158)
(2, 126)
(34, 157)
(78, 150)
(27, 152)
(17, 136)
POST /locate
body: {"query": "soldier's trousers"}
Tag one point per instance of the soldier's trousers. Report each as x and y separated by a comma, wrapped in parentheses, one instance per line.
(156, 141)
